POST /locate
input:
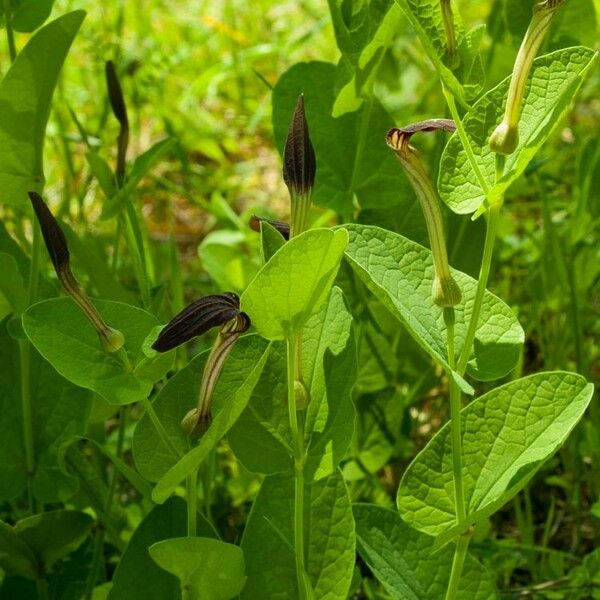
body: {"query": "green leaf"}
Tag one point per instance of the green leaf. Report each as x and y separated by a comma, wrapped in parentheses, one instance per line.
(406, 563)
(131, 475)
(364, 30)
(347, 173)
(140, 168)
(16, 558)
(208, 569)
(25, 96)
(261, 437)
(329, 370)
(507, 434)
(52, 535)
(103, 173)
(180, 394)
(28, 15)
(553, 83)
(400, 273)
(59, 413)
(137, 575)
(426, 18)
(228, 257)
(12, 284)
(64, 337)
(294, 283)
(251, 364)
(329, 534)
(271, 240)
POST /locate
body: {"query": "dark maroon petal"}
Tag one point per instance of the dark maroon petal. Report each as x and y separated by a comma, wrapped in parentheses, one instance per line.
(53, 235)
(299, 163)
(197, 318)
(397, 136)
(281, 226)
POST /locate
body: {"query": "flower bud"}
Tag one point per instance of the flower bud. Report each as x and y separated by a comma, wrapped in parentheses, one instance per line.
(119, 108)
(505, 138)
(111, 339)
(445, 290)
(299, 168)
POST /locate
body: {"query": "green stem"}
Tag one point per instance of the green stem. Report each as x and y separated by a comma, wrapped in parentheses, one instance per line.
(25, 360)
(115, 256)
(297, 429)
(192, 502)
(457, 564)
(484, 273)
(42, 588)
(101, 528)
(455, 406)
(10, 37)
(162, 432)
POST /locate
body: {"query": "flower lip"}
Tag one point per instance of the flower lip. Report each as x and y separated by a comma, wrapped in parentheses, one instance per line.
(281, 226)
(299, 162)
(397, 137)
(211, 311)
(53, 235)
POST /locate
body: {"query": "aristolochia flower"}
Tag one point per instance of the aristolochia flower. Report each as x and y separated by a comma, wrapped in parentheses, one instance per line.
(117, 103)
(299, 168)
(445, 290)
(219, 310)
(56, 243)
(505, 137)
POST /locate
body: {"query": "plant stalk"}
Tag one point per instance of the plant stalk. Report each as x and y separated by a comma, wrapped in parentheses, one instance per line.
(25, 360)
(455, 426)
(192, 502)
(101, 529)
(484, 273)
(10, 36)
(297, 429)
(457, 564)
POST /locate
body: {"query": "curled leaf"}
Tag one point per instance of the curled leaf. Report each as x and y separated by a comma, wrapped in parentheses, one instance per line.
(281, 226)
(200, 316)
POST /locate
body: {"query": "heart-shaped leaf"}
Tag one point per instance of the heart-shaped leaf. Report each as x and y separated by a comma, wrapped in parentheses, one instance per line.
(553, 83)
(295, 283)
(207, 569)
(506, 435)
(400, 273)
(65, 338)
